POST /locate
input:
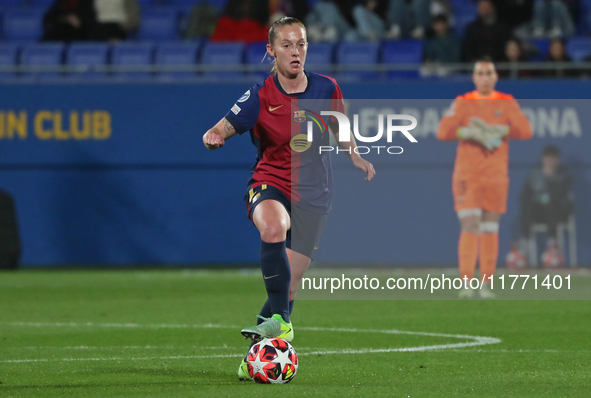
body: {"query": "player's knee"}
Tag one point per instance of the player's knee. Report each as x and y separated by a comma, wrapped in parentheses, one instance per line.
(472, 226)
(274, 231)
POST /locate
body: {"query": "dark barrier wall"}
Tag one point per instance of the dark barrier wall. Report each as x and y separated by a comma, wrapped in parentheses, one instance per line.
(117, 174)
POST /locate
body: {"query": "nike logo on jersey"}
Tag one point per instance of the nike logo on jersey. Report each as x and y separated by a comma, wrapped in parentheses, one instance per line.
(271, 109)
(269, 277)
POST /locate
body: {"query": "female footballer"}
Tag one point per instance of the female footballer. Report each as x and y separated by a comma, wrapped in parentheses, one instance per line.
(289, 194)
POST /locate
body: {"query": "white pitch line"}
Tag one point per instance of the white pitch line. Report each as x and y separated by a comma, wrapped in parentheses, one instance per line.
(477, 340)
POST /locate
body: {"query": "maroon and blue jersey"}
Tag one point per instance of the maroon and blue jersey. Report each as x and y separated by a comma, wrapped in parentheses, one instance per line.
(277, 123)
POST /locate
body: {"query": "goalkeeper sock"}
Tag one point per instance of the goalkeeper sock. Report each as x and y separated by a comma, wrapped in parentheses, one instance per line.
(467, 254)
(290, 307)
(489, 253)
(277, 276)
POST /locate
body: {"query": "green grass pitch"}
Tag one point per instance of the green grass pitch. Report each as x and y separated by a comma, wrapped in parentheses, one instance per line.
(175, 333)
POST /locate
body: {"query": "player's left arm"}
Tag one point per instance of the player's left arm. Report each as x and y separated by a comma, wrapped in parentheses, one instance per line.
(519, 125)
(349, 147)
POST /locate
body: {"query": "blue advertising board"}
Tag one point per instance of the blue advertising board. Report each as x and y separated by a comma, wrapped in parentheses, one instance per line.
(116, 174)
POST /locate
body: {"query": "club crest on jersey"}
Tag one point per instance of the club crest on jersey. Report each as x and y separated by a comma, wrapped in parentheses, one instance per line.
(299, 116)
(498, 113)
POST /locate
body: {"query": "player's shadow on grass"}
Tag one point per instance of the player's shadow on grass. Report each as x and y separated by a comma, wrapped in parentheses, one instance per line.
(169, 371)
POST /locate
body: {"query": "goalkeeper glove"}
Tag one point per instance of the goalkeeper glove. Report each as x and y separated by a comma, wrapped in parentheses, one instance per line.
(490, 136)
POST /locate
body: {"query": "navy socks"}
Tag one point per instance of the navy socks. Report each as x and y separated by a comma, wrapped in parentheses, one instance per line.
(277, 275)
(268, 313)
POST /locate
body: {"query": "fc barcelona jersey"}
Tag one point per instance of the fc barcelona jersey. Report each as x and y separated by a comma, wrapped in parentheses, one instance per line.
(278, 126)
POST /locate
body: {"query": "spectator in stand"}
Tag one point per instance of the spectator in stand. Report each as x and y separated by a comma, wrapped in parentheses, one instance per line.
(243, 20)
(370, 17)
(514, 13)
(331, 21)
(95, 20)
(202, 21)
(486, 36)
(115, 19)
(551, 18)
(69, 20)
(290, 8)
(513, 55)
(558, 54)
(412, 18)
(444, 47)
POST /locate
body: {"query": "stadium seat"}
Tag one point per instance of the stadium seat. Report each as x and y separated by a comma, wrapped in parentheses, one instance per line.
(223, 54)
(403, 52)
(88, 55)
(8, 57)
(218, 4)
(159, 24)
(132, 54)
(40, 3)
(23, 24)
(463, 16)
(320, 57)
(541, 46)
(255, 53)
(177, 53)
(11, 3)
(579, 48)
(46, 54)
(148, 3)
(358, 53)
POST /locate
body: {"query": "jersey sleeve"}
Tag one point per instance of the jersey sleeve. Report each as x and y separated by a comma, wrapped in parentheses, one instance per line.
(245, 112)
(337, 103)
(451, 121)
(520, 127)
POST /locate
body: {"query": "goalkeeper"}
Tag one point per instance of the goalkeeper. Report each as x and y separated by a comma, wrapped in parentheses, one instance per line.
(483, 121)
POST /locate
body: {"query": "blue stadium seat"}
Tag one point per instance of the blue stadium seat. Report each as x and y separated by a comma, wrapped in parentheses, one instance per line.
(46, 54)
(177, 53)
(11, 3)
(8, 57)
(358, 53)
(218, 4)
(403, 52)
(132, 54)
(584, 22)
(579, 48)
(320, 57)
(88, 55)
(23, 24)
(41, 3)
(542, 46)
(148, 3)
(159, 24)
(223, 54)
(254, 56)
(463, 16)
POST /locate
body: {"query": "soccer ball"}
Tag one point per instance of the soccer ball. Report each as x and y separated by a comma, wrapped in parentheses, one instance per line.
(272, 361)
(515, 260)
(553, 258)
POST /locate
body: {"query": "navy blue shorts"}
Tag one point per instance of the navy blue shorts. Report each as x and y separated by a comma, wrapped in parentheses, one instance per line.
(306, 226)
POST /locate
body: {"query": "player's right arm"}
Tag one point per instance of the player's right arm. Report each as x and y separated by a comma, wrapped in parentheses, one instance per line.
(217, 135)
(240, 118)
(450, 122)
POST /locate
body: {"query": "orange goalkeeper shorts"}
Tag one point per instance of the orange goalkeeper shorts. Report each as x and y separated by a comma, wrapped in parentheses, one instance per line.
(490, 196)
